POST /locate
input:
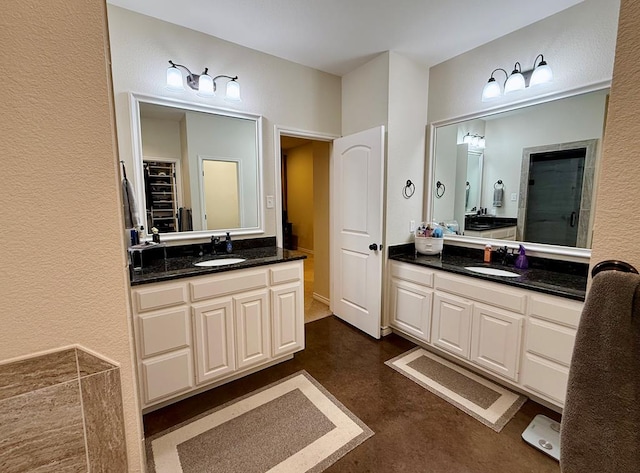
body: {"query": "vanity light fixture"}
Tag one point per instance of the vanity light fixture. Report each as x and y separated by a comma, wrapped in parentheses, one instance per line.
(474, 140)
(204, 84)
(518, 79)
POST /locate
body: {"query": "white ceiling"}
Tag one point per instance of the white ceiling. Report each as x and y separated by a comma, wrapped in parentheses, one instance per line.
(337, 36)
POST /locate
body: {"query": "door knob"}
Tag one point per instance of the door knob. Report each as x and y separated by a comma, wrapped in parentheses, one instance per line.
(373, 247)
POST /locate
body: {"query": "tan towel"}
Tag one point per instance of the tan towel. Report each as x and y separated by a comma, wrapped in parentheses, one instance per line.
(600, 430)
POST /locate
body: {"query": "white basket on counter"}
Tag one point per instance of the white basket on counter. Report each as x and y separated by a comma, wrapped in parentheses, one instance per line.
(429, 245)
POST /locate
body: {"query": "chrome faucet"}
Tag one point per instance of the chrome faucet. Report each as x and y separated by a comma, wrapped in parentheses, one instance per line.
(214, 243)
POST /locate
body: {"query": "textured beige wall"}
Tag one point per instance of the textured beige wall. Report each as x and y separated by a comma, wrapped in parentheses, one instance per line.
(617, 224)
(63, 279)
(300, 194)
(321, 217)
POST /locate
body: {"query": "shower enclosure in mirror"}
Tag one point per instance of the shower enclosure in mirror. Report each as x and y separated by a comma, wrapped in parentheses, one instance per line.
(197, 169)
(535, 175)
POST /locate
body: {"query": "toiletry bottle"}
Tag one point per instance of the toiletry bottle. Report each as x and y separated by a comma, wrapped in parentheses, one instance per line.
(141, 234)
(229, 244)
(521, 260)
(487, 253)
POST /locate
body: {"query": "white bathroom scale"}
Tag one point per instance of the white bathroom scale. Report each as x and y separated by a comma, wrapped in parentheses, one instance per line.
(544, 434)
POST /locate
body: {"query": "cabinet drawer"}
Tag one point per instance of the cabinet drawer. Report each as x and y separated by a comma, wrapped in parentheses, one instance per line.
(490, 293)
(550, 340)
(545, 377)
(286, 273)
(157, 297)
(504, 233)
(556, 309)
(166, 375)
(164, 331)
(412, 273)
(229, 283)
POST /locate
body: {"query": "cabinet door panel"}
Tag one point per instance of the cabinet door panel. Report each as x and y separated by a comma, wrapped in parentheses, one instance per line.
(496, 340)
(287, 316)
(166, 375)
(214, 340)
(252, 329)
(452, 324)
(411, 308)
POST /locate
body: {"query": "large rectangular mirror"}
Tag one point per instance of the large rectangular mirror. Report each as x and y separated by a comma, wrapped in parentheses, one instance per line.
(198, 169)
(525, 174)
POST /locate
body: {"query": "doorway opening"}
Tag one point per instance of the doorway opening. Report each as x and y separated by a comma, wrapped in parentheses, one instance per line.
(305, 216)
(557, 184)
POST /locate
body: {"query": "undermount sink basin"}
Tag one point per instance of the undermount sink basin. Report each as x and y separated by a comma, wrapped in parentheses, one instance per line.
(220, 262)
(491, 271)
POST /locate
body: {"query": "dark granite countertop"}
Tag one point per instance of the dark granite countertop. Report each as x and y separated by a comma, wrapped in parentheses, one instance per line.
(483, 223)
(571, 284)
(179, 266)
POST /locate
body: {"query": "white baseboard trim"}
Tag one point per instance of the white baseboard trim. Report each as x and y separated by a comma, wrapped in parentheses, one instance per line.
(304, 250)
(384, 331)
(322, 299)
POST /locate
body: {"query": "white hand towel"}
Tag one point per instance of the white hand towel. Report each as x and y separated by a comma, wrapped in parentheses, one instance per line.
(497, 197)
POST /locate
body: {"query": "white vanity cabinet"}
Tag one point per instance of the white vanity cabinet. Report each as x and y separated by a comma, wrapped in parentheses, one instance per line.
(525, 337)
(199, 331)
(411, 294)
(506, 233)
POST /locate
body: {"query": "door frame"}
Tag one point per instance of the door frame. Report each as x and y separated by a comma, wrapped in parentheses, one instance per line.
(585, 215)
(280, 131)
(240, 179)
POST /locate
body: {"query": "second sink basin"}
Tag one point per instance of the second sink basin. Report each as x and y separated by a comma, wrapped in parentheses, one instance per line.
(220, 262)
(491, 271)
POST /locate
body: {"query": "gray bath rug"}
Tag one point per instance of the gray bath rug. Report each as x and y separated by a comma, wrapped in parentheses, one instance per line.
(482, 399)
(294, 425)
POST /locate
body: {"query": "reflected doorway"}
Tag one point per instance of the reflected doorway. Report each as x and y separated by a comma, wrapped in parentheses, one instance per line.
(305, 216)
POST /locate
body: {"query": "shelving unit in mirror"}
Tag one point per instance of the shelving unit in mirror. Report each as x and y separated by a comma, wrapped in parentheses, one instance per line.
(161, 195)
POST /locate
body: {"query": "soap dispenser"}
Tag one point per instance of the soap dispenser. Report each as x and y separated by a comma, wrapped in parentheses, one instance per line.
(521, 260)
(229, 244)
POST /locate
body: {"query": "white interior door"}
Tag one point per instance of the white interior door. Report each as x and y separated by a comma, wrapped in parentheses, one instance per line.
(356, 222)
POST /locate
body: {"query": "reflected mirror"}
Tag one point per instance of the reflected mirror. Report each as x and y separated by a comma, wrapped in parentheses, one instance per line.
(198, 169)
(533, 178)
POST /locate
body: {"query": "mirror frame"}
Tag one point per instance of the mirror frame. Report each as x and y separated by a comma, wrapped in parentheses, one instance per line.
(581, 255)
(138, 180)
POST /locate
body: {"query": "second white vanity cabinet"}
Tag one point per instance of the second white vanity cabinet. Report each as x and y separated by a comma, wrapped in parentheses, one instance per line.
(214, 327)
(523, 336)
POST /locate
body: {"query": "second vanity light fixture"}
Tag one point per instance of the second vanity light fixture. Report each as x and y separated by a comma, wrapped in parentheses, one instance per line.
(518, 80)
(474, 140)
(204, 84)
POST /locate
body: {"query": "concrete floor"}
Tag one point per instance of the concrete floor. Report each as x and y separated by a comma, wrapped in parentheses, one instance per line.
(415, 431)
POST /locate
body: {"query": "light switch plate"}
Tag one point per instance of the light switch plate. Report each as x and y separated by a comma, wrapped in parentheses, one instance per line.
(412, 226)
(269, 201)
(514, 196)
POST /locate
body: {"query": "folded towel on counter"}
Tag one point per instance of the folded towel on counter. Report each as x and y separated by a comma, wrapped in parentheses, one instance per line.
(498, 195)
(600, 429)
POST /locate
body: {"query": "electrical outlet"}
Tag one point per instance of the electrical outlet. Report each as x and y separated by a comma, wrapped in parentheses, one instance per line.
(514, 196)
(412, 226)
(269, 201)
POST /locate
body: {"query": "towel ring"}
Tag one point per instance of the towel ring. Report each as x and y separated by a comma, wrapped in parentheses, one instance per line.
(613, 265)
(498, 183)
(439, 192)
(467, 186)
(408, 189)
